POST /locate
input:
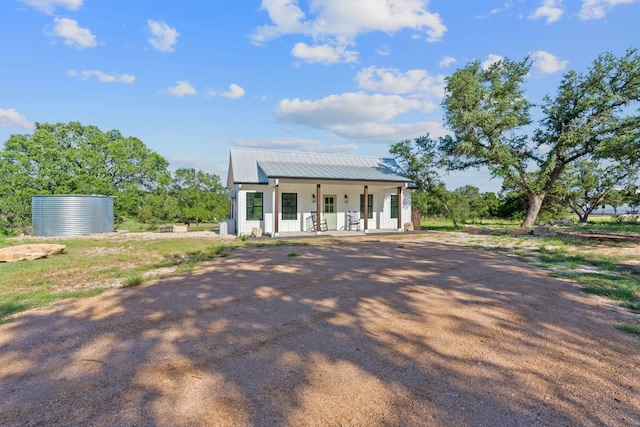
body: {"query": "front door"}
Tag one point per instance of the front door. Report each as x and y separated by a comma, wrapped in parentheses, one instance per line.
(329, 211)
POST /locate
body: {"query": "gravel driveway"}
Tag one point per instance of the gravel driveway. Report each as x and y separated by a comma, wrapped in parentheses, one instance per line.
(359, 333)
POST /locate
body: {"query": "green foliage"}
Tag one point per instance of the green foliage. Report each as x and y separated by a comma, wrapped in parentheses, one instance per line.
(584, 186)
(633, 329)
(135, 280)
(74, 159)
(419, 160)
(17, 302)
(200, 195)
(96, 265)
(592, 115)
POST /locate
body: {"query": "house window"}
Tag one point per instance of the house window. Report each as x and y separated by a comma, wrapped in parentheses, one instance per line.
(370, 206)
(394, 206)
(289, 206)
(254, 207)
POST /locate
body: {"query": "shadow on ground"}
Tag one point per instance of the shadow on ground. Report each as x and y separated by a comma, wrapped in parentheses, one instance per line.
(370, 333)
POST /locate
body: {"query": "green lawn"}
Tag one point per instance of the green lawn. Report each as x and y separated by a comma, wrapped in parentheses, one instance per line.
(90, 266)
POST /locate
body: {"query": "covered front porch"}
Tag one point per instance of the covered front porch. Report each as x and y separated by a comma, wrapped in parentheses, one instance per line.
(300, 206)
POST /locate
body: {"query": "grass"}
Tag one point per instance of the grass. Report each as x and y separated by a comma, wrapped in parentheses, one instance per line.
(580, 260)
(90, 266)
(87, 267)
(633, 329)
(20, 301)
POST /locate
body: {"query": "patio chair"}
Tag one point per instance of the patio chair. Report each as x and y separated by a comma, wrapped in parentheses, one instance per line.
(353, 221)
(314, 223)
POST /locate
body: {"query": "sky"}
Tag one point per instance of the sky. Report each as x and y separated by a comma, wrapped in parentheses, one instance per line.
(192, 79)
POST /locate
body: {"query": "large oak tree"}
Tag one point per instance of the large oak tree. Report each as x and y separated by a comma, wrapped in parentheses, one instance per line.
(592, 115)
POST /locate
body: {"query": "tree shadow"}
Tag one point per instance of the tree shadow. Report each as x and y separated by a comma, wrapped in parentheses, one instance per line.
(364, 333)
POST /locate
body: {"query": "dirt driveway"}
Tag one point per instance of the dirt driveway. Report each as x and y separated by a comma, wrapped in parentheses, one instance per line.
(359, 333)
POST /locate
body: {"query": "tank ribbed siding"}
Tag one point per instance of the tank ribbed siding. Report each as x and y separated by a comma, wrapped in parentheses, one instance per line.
(71, 214)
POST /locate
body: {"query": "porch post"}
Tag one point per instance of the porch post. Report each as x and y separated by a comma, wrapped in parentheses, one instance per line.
(276, 211)
(366, 208)
(318, 204)
(399, 208)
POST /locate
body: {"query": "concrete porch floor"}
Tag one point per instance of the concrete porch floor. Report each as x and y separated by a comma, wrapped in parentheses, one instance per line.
(334, 233)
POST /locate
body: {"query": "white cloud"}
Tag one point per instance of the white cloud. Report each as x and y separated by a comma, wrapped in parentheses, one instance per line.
(505, 7)
(391, 80)
(326, 54)
(358, 116)
(296, 144)
(551, 10)
(282, 143)
(337, 23)
(163, 37)
(598, 9)
(548, 63)
(234, 92)
(182, 88)
(346, 109)
(391, 132)
(491, 59)
(102, 77)
(447, 61)
(73, 35)
(11, 118)
(47, 6)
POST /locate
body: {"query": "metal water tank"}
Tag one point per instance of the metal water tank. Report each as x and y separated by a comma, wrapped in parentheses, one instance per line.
(71, 214)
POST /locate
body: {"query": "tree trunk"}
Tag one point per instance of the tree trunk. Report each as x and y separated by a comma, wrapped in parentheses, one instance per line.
(453, 218)
(535, 203)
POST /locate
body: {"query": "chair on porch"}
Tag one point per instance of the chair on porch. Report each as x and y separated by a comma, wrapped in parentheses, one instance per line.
(353, 220)
(314, 223)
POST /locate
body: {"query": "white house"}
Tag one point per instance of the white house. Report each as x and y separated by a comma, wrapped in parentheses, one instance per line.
(281, 192)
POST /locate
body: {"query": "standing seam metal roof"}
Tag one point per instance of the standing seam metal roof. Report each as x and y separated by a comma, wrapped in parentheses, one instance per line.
(256, 166)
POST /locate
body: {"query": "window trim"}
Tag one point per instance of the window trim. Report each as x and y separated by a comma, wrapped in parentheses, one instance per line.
(287, 213)
(251, 207)
(397, 206)
(370, 212)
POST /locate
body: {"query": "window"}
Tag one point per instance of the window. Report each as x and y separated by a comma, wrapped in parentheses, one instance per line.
(370, 206)
(394, 206)
(289, 206)
(254, 206)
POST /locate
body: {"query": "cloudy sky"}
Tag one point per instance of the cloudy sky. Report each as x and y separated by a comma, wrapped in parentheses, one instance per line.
(192, 79)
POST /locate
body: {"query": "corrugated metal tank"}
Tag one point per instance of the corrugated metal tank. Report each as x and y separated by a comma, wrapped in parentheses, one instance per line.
(71, 214)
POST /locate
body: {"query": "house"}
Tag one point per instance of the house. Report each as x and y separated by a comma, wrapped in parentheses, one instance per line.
(280, 192)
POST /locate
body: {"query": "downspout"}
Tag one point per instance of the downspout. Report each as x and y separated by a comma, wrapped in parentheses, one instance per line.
(366, 208)
(318, 208)
(399, 208)
(276, 210)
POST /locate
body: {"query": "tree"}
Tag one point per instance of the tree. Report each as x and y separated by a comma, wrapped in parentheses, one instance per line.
(615, 199)
(200, 196)
(591, 115)
(586, 184)
(419, 161)
(74, 159)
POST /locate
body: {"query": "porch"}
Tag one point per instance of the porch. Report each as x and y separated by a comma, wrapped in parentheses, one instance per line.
(335, 233)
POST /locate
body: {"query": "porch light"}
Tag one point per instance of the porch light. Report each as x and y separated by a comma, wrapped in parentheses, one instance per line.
(313, 198)
(346, 198)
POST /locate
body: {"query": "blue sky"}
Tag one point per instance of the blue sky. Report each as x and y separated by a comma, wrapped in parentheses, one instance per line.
(192, 79)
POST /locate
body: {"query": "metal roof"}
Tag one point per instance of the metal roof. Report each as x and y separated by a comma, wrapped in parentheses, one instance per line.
(250, 166)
